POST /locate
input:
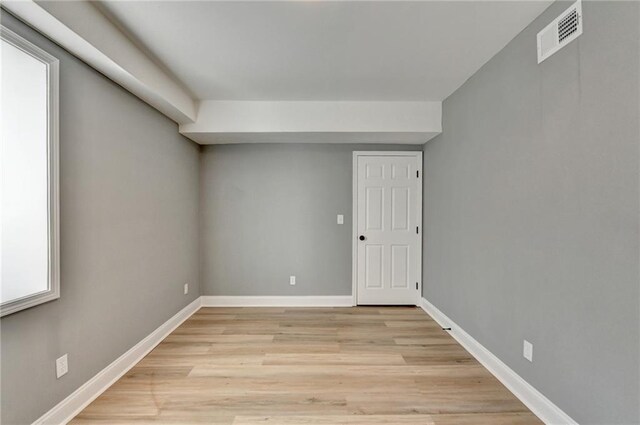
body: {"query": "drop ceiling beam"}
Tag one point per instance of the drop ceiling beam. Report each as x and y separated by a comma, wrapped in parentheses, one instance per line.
(221, 122)
(82, 28)
(85, 31)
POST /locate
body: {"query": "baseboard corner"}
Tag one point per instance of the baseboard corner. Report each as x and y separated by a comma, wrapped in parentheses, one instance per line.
(541, 406)
(73, 404)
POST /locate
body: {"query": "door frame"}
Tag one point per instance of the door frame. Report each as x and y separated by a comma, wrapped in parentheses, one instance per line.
(354, 217)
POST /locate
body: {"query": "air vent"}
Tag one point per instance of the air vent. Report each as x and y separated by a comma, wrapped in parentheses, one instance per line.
(560, 32)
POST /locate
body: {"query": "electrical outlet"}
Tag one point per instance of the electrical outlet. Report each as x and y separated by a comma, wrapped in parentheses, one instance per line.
(292, 280)
(186, 288)
(62, 366)
(527, 350)
(340, 219)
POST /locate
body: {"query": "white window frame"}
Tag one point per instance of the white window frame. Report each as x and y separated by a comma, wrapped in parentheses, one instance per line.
(53, 213)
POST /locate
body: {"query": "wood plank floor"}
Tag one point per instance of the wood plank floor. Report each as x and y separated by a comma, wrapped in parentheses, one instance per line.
(355, 366)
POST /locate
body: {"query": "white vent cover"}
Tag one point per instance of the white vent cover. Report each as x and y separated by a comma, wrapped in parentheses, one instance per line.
(560, 32)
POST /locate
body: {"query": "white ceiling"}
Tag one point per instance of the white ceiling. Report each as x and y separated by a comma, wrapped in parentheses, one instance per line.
(323, 50)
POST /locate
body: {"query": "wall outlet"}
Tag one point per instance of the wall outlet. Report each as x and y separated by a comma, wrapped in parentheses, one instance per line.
(62, 366)
(340, 219)
(292, 280)
(527, 350)
(186, 288)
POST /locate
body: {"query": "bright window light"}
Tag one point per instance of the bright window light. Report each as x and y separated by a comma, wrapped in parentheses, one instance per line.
(29, 266)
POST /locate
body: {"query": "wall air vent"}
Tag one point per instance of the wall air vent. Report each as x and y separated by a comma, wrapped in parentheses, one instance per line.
(560, 32)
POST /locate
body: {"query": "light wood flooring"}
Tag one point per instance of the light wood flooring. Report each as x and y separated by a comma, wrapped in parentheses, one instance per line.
(294, 366)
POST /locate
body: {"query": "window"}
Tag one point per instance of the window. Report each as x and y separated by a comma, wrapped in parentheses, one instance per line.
(29, 254)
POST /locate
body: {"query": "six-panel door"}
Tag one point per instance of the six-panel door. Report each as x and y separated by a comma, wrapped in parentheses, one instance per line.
(387, 229)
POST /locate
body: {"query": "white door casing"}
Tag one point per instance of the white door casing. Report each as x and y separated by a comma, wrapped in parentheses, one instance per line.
(387, 213)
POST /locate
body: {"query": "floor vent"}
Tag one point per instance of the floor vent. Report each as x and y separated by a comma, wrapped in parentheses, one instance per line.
(560, 32)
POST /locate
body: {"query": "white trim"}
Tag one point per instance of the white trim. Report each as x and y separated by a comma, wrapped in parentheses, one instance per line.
(276, 301)
(68, 408)
(53, 189)
(354, 228)
(541, 406)
(354, 217)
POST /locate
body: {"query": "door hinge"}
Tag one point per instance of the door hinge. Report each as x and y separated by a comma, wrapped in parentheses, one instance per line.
(417, 229)
(416, 286)
(418, 173)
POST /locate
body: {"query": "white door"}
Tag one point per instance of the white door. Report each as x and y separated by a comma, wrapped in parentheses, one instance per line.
(388, 202)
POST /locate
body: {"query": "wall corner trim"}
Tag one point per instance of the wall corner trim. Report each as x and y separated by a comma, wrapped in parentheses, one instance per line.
(541, 406)
(277, 301)
(68, 408)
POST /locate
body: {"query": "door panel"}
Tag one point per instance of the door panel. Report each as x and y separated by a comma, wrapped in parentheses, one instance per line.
(400, 266)
(374, 208)
(388, 215)
(374, 259)
(400, 208)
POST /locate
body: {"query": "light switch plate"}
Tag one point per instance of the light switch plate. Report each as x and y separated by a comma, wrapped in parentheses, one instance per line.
(340, 219)
(292, 280)
(186, 288)
(527, 350)
(62, 366)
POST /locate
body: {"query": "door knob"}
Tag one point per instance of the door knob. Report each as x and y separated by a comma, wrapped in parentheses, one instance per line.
(362, 237)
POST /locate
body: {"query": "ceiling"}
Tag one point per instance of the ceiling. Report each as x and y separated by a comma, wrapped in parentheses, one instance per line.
(322, 50)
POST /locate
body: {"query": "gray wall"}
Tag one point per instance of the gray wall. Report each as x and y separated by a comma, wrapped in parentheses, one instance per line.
(531, 213)
(269, 211)
(129, 239)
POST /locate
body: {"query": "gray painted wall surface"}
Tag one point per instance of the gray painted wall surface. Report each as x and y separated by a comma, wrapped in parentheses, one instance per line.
(129, 239)
(531, 213)
(269, 211)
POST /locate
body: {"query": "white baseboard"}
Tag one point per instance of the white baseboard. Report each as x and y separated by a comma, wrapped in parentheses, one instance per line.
(541, 406)
(277, 301)
(68, 408)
